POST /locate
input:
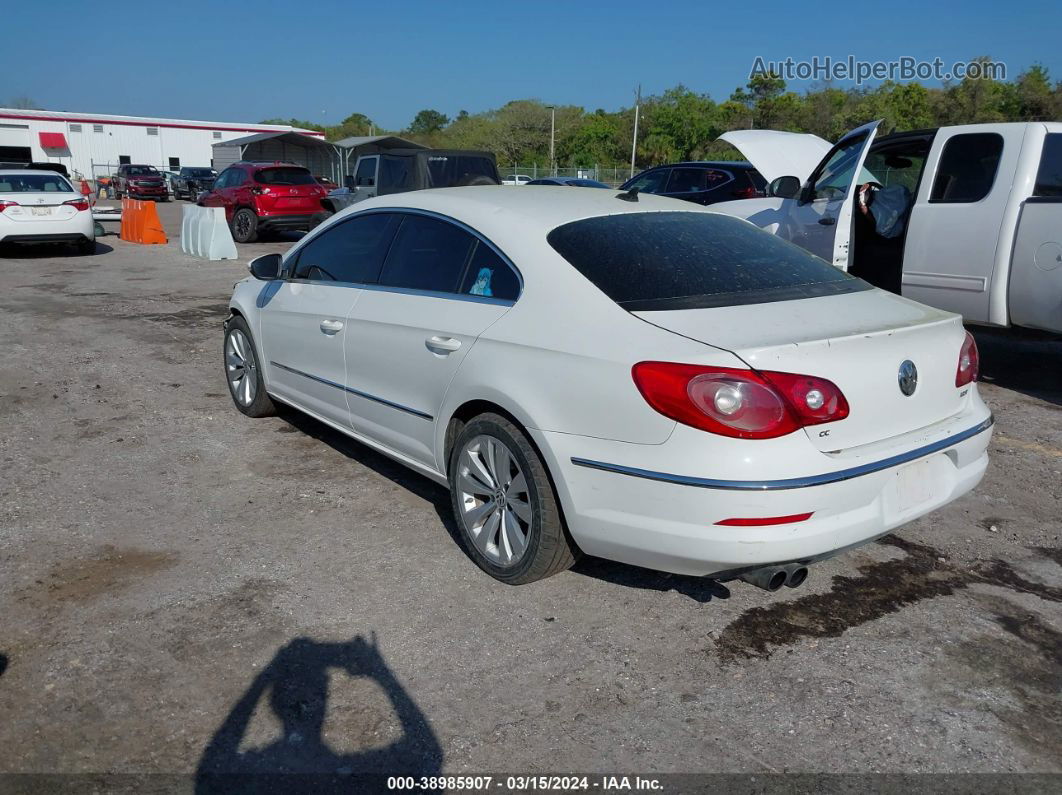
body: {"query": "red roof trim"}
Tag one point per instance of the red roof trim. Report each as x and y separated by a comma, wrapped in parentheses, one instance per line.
(220, 128)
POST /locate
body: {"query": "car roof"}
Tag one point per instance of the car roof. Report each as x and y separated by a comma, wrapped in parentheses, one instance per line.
(30, 172)
(707, 164)
(496, 206)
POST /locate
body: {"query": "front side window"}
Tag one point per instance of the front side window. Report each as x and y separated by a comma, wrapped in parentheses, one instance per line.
(650, 181)
(1049, 177)
(835, 177)
(351, 251)
(489, 276)
(688, 260)
(284, 175)
(366, 173)
(967, 168)
(427, 254)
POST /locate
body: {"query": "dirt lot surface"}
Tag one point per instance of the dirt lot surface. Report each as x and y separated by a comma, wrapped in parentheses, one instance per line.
(185, 588)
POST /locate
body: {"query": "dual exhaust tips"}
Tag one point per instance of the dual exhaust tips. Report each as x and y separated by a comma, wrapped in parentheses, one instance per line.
(771, 578)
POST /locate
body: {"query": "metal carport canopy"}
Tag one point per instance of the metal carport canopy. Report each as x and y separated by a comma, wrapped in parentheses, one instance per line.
(308, 151)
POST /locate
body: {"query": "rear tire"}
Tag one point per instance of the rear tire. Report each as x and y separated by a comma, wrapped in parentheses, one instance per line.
(245, 226)
(492, 462)
(243, 375)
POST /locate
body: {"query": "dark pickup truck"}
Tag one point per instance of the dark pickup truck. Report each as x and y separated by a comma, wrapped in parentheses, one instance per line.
(400, 170)
(193, 180)
(140, 182)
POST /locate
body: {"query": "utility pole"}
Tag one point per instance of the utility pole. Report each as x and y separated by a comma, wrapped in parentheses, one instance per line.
(634, 145)
(552, 135)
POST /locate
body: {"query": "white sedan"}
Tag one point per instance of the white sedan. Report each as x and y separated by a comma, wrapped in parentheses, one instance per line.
(43, 207)
(623, 376)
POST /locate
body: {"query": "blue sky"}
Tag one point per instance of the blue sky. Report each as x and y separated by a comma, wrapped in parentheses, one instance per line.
(320, 61)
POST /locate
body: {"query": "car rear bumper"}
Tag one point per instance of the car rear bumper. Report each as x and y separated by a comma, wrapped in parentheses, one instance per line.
(58, 237)
(298, 223)
(660, 520)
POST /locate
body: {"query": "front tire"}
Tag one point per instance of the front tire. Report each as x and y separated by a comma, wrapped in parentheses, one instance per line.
(504, 504)
(245, 226)
(242, 372)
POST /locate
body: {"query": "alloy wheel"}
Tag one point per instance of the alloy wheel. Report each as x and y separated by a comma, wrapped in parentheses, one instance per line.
(240, 367)
(495, 503)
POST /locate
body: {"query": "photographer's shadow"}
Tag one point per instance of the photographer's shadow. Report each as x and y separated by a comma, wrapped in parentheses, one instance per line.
(296, 683)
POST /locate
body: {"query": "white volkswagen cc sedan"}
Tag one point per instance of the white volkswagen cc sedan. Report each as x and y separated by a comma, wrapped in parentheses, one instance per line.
(43, 207)
(623, 376)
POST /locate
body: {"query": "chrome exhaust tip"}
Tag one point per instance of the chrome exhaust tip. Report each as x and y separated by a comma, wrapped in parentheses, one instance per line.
(769, 578)
(795, 574)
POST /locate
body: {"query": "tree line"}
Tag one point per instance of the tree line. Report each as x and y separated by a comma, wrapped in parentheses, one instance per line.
(681, 124)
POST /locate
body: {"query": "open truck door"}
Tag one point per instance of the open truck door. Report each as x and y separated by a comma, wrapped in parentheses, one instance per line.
(816, 212)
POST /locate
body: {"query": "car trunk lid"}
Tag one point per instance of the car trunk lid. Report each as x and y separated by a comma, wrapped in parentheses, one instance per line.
(43, 206)
(858, 341)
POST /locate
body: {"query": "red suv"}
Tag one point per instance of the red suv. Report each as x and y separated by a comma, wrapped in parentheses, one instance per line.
(260, 197)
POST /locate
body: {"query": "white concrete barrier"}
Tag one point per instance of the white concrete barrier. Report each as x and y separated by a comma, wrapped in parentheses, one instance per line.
(205, 234)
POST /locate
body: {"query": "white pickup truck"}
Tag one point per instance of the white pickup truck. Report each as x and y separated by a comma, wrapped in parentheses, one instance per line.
(974, 221)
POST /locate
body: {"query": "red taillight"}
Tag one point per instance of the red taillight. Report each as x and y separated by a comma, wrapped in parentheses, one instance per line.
(744, 404)
(969, 362)
(78, 204)
(745, 193)
(4, 204)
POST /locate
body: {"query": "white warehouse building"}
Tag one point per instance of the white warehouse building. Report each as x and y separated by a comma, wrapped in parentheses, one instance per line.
(93, 145)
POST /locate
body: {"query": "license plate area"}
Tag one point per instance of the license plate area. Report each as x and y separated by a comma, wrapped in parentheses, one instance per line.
(40, 210)
(914, 485)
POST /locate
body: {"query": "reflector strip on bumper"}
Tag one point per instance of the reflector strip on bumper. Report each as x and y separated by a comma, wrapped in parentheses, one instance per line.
(790, 483)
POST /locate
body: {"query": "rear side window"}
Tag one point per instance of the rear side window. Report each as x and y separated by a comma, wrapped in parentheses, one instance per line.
(689, 260)
(967, 168)
(427, 254)
(448, 171)
(351, 251)
(284, 175)
(396, 174)
(688, 180)
(1049, 177)
(489, 276)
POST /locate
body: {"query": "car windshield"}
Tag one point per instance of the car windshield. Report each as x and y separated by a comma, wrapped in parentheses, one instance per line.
(285, 175)
(200, 172)
(689, 260)
(142, 171)
(34, 183)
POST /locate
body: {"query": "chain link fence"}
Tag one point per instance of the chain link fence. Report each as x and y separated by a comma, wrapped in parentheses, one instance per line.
(610, 175)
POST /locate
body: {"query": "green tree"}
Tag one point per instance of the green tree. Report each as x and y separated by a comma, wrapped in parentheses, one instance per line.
(428, 122)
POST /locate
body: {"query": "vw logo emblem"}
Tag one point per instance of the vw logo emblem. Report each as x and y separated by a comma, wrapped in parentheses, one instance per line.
(908, 377)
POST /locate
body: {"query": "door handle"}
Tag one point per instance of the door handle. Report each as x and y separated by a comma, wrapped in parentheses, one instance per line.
(331, 326)
(442, 345)
(827, 221)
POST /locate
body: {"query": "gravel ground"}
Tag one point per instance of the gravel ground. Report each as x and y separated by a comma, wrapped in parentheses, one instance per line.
(180, 586)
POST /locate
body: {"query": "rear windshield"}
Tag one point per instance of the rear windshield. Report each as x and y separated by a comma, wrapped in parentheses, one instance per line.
(448, 171)
(141, 171)
(34, 183)
(688, 260)
(284, 175)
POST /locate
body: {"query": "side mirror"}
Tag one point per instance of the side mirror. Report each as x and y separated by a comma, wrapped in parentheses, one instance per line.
(266, 267)
(784, 187)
